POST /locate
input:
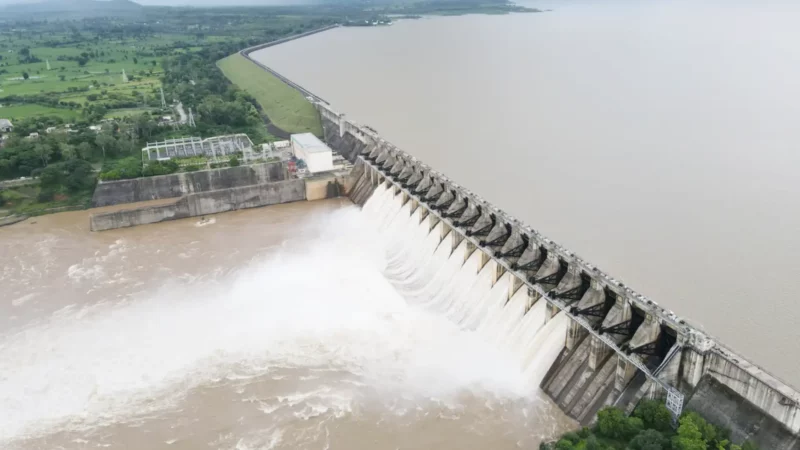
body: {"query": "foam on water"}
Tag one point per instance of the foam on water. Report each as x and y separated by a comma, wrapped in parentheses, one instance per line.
(450, 282)
(377, 303)
(325, 304)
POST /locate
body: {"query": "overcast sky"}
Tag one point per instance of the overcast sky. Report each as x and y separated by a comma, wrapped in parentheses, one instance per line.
(190, 2)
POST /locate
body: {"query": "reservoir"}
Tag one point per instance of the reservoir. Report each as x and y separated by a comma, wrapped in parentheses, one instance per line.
(656, 140)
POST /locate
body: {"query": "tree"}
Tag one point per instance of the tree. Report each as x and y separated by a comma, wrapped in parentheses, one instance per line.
(648, 440)
(68, 151)
(43, 152)
(106, 142)
(564, 444)
(136, 60)
(711, 434)
(689, 436)
(654, 415)
(62, 77)
(25, 75)
(612, 423)
(51, 177)
(84, 150)
(79, 175)
(234, 161)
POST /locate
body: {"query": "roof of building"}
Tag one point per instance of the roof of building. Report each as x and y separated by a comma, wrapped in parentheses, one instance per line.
(5, 123)
(310, 143)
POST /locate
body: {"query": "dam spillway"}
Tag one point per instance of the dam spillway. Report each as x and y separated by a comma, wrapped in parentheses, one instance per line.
(583, 336)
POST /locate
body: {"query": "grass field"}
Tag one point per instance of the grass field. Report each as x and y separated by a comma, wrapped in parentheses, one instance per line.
(286, 107)
(19, 112)
(99, 77)
(122, 113)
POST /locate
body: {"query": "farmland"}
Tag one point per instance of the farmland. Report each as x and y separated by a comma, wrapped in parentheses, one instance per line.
(117, 74)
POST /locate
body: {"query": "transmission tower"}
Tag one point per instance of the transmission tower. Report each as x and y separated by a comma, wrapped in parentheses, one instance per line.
(124, 76)
(48, 64)
(191, 118)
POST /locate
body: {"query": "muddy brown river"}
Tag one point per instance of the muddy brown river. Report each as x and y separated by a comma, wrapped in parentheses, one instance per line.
(271, 328)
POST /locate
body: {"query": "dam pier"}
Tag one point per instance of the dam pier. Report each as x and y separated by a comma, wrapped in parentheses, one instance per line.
(618, 347)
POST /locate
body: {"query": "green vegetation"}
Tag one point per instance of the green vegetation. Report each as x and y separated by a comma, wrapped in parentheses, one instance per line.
(24, 111)
(284, 106)
(649, 428)
(87, 78)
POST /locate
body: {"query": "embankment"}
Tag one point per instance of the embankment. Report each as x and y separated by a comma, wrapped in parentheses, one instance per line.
(177, 185)
(246, 53)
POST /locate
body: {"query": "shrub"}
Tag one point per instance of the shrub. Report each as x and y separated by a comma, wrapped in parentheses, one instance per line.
(654, 414)
(234, 162)
(592, 444)
(565, 444)
(572, 437)
(45, 195)
(648, 440)
(612, 423)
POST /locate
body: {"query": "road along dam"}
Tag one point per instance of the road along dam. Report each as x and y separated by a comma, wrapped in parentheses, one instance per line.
(593, 341)
(586, 339)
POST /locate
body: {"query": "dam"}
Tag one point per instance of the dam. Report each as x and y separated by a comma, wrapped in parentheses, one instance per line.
(593, 341)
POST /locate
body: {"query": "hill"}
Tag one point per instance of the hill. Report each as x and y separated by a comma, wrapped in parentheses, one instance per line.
(72, 9)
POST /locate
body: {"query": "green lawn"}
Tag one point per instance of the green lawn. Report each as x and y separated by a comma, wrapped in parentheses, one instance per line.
(286, 107)
(122, 113)
(19, 112)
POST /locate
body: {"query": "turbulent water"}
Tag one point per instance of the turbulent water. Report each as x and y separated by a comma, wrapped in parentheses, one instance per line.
(657, 140)
(300, 326)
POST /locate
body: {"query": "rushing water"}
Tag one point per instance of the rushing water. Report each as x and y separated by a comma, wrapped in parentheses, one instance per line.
(298, 326)
(656, 139)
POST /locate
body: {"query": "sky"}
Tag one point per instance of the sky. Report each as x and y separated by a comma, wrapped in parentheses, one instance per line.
(188, 2)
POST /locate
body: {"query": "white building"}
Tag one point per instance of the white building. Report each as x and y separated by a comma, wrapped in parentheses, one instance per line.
(317, 156)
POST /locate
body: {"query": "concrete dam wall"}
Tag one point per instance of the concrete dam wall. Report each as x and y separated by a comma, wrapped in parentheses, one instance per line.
(230, 199)
(596, 341)
(177, 185)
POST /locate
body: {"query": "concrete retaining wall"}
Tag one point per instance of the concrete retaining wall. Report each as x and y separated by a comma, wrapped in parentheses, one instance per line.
(204, 203)
(329, 187)
(176, 185)
(721, 405)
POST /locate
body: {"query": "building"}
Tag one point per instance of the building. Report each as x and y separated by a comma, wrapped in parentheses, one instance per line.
(317, 156)
(6, 126)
